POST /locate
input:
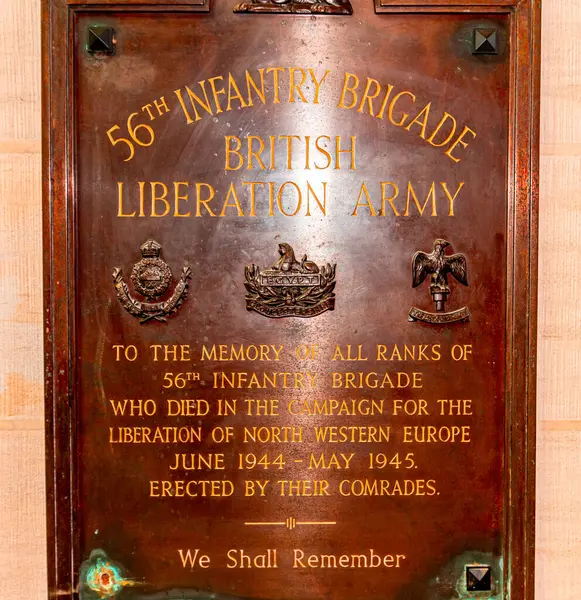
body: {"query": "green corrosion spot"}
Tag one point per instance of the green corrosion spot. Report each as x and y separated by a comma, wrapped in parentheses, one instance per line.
(104, 578)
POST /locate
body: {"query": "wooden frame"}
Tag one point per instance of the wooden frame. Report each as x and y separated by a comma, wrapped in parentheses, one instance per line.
(59, 273)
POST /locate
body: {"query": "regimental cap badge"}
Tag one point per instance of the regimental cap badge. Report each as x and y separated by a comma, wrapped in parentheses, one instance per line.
(439, 265)
(290, 288)
(151, 277)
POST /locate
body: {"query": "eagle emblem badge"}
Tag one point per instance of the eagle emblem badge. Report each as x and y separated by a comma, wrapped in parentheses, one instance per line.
(151, 278)
(290, 288)
(439, 265)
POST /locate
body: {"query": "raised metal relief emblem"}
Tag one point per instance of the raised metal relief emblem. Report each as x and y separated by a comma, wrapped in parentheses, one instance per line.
(290, 288)
(439, 265)
(151, 277)
(326, 7)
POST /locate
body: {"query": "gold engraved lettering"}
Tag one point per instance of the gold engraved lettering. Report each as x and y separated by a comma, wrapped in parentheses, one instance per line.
(301, 152)
(411, 407)
(244, 380)
(194, 559)
(174, 353)
(429, 434)
(413, 352)
(394, 201)
(261, 408)
(372, 380)
(338, 461)
(251, 353)
(191, 489)
(273, 435)
(369, 560)
(240, 559)
(456, 407)
(303, 488)
(187, 408)
(198, 462)
(460, 141)
(342, 408)
(400, 106)
(155, 435)
(333, 434)
(382, 487)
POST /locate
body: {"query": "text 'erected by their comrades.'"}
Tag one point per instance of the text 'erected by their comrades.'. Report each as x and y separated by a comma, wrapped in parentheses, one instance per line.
(349, 421)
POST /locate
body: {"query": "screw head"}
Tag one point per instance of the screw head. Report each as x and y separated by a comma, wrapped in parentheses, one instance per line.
(101, 40)
(485, 42)
(478, 578)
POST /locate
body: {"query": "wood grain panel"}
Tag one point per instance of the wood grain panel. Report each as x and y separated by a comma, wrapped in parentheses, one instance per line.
(560, 289)
(22, 496)
(559, 350)
(21, 377)
(22, 516)
(20, 70)
(561, 82)
(559, 514)
(560, 215)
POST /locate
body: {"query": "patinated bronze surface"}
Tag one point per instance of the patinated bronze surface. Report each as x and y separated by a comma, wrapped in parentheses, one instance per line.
(240, 212)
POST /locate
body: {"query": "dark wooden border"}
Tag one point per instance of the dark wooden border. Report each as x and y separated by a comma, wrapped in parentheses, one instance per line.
(59, 280)
(189, 5)
(444, 5)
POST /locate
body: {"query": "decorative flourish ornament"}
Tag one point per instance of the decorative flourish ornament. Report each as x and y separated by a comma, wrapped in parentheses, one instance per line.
(151, 277)
(325, 7)
(290, 288)
(438, 264)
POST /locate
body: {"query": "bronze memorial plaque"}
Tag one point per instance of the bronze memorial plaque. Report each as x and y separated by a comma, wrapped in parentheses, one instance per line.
(291, 298)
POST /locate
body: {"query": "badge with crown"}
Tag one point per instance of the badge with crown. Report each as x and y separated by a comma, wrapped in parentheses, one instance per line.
(151, 278)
